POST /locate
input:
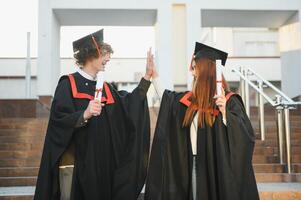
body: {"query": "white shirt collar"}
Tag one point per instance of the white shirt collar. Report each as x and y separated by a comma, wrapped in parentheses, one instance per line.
(86, 75)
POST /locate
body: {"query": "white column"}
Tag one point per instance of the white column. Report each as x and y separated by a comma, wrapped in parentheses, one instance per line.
(290, 43)
(179, 65)
(28, 68)
(48, 63)
(163, 44)
(193, 34)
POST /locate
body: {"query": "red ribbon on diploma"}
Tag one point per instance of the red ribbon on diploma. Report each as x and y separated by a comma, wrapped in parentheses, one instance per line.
(97, 92)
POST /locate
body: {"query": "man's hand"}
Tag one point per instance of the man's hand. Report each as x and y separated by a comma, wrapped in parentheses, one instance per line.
(94, 109)
(150, 66)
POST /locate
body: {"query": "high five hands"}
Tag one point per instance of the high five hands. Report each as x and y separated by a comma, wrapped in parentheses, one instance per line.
(150, 66)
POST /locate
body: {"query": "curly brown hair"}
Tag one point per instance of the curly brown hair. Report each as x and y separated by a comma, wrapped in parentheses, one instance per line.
(85, 54)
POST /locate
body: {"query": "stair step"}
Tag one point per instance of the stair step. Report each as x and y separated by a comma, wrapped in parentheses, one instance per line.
(273, 129)
(279, 191)
(21, 121)
(260, 177)
(274, 136)
(270, 116)
(22, 139)
(275, 168)
(20, 154)
(18, 171)
(267, 191)
(21, 133)
(21, 146)
(18, 181)
(17, 193)
(19, 197)
(274, 143)
(265, 159)
(283, 195)
(20, 162)
(264, 151)
(273, 158)
(277, 177)
(268, 149)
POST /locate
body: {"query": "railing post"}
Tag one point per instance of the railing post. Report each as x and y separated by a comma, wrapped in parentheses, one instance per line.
(28, 68)
(288, 138)
(242, 85)
(261, 110)
(279, 110)
(247, 95)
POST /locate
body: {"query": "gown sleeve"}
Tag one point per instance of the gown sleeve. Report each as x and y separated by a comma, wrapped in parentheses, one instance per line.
(241, 140)
(159, 88)
(157, 167)
(62, 123)
(63, 116)
(136, 107)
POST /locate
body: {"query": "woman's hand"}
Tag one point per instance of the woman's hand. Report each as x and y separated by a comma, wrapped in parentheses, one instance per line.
(150, 66)
(221, 103)
(94, 109)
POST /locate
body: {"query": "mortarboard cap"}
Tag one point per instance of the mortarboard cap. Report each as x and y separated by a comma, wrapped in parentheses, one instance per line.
(204, 51)
(87, 41)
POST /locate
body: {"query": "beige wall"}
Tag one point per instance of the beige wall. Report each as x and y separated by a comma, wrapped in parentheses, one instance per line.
(179, 67)
(290, 37)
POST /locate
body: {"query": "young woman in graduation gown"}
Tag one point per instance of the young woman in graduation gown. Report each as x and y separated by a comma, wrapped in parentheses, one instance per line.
(203, 143)
(94, 150)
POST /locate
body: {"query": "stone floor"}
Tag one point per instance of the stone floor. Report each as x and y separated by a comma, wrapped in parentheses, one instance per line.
(268, 191)
(17, 191)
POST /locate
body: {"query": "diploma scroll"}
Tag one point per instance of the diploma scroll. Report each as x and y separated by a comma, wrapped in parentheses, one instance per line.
(99, 85)
(219, 83)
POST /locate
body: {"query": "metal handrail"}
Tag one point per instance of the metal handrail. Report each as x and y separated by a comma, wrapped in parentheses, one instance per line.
(279, 92)
(282, 104)
(255, 87)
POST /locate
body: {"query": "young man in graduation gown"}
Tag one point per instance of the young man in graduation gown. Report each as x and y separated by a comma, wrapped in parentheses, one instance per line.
(94, 149)
(203, 143)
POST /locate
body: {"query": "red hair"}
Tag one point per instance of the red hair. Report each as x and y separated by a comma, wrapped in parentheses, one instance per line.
(203, 92)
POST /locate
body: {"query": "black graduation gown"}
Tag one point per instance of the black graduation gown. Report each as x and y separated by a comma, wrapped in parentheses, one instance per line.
(224, 155)
(111, 150)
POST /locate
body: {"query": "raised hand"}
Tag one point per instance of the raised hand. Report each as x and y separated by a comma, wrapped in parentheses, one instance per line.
(150, 66)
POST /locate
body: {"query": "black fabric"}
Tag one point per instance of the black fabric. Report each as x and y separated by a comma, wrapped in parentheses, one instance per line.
(224, 155)
(111, 150)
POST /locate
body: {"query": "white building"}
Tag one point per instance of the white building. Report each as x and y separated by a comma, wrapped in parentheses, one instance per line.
(262, 35)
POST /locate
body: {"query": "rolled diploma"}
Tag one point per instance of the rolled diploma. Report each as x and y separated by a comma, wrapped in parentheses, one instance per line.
(219, 85)
(99, 85)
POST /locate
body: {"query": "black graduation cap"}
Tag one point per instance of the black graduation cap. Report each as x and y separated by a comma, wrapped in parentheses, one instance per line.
(204, 51)
(87, 41)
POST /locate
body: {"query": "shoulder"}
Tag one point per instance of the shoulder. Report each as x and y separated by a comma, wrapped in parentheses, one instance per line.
(64, 84)
(63, 79)
(235, 100)
(114, 89)
(174, 94)
(175, 97)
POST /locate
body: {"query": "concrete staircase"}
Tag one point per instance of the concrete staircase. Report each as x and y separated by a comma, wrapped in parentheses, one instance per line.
(22, 138)
(23, 126)
(266, 159)
(21, 143)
